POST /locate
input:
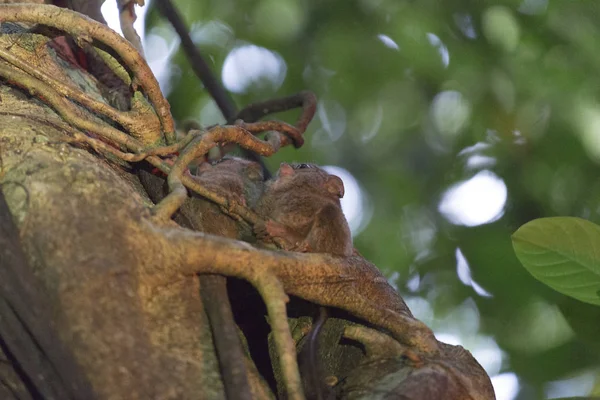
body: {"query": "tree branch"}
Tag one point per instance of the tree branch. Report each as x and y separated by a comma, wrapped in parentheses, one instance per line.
(199, 66)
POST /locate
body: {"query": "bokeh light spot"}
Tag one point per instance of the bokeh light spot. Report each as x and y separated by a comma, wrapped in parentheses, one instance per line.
(210, 114)
(450, 112)
(333, 121)
(501, 28)
(464, 274)
(587, 121)
(465, 24)
(211, 33)
(421, 309)
(579, 385)
(161, 46)
(388, 41)
(110, 12)
(476, 201)
(419, 230)
(251, 65)
(506, 386)
(355, 203)
(436, 42)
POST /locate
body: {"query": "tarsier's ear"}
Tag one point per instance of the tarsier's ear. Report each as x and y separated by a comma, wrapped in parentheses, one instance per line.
(203, 167)
(286, 170)
(335, 186)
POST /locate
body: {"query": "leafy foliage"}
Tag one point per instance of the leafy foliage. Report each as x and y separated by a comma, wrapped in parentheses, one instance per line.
(562, 252)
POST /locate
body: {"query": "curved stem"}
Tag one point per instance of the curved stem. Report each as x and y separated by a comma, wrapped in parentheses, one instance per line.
(83, 28)
(199, 146)
(65, 108)
(134, 122)
(305, 99)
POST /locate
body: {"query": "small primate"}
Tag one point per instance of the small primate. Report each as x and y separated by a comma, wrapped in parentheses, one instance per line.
(301, 205)
(302, 210)
(238, 180)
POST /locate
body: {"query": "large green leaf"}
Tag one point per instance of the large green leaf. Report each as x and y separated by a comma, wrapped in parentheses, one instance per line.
(563, 253)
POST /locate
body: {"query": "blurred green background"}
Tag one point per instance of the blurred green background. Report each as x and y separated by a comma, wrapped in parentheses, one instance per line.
(452, 123)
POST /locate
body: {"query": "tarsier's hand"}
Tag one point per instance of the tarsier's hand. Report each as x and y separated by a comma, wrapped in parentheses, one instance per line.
(262, 235)
(286, 238)
(234, 199)
(276, 230)
(302, 247)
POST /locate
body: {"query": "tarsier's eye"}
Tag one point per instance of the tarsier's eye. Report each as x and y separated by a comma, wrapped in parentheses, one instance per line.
(302, 166)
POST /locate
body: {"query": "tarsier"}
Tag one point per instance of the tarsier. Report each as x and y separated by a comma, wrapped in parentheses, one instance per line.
(239, 180)
(302, 211)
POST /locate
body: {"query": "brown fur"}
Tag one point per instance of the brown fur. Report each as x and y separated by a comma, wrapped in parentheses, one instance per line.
(302, 209)
(238, 180)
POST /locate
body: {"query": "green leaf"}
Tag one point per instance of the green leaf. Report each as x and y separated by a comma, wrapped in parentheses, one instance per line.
(563, 253)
